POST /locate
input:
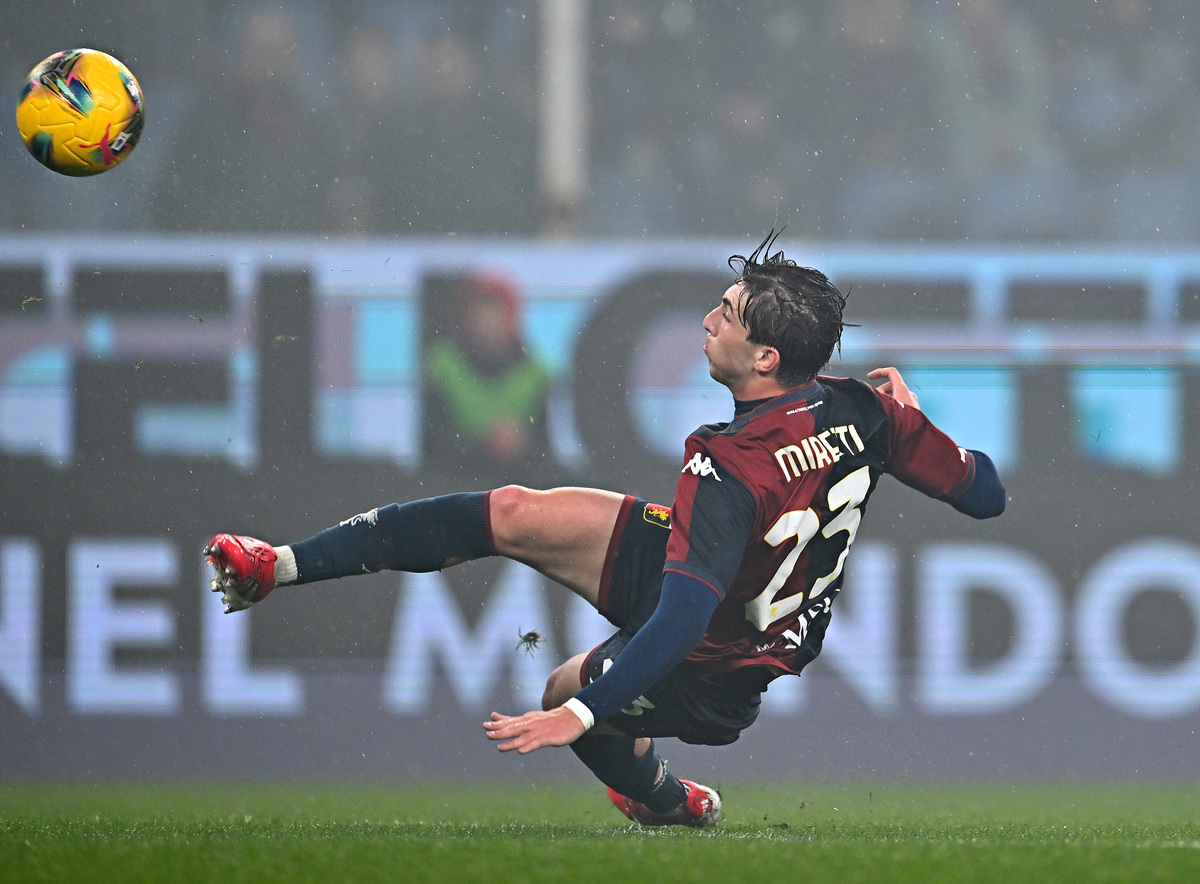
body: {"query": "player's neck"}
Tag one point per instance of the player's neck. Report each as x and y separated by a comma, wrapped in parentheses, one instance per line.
(756, 388)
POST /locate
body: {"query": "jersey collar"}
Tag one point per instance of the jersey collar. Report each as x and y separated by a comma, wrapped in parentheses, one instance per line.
(743, 408)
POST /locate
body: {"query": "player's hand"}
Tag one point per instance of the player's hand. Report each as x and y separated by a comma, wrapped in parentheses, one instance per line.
(533, 730)
(895, 387)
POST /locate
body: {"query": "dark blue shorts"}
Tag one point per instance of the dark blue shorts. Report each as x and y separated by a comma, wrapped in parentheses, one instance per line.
(710, 711)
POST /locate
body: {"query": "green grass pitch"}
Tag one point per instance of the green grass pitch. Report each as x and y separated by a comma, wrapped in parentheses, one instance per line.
(567, 832)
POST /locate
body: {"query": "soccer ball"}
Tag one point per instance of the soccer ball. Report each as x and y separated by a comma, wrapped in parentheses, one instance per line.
(80, 112)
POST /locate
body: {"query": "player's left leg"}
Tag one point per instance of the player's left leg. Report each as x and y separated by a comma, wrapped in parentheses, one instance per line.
(639, 782)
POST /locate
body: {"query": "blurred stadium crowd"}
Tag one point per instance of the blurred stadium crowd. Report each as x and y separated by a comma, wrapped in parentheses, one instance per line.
(937, 120)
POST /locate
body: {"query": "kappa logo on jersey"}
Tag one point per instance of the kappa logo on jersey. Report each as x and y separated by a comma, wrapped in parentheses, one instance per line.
(700, 466)
(656, 514)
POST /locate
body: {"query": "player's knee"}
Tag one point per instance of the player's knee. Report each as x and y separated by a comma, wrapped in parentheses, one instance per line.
(562, 684)
(509, 512)
(548, 696)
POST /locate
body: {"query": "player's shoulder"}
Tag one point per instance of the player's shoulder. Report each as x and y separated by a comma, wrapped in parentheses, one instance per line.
(707, 432)
(846, 386)
(854, 394)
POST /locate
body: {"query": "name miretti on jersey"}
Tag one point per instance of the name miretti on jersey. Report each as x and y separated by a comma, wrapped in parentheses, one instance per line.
(817, 451)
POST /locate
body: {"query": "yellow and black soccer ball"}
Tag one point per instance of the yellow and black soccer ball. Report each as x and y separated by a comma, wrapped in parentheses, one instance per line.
(80, 112)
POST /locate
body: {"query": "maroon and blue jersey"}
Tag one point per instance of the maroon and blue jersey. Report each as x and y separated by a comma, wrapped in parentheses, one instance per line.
(767, 506)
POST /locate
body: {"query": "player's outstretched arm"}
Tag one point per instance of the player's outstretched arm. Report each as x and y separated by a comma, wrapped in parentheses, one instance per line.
(985, 496)
(894, 386)
(676, 626)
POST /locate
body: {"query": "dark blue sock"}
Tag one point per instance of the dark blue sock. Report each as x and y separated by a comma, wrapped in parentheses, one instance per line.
(612, 759)
(418, 536)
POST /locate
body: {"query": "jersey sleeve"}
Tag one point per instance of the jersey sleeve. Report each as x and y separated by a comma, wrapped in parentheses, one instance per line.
(922, 456)
(676, 626)
(985, 498)
(712, 519)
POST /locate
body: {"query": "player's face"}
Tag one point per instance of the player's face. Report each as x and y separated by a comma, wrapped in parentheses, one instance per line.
(731, 356)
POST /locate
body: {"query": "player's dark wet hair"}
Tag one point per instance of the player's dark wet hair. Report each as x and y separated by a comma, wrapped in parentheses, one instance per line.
(794, 309)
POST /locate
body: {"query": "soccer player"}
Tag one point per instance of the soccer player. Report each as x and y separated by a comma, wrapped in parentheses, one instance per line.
(714, 597)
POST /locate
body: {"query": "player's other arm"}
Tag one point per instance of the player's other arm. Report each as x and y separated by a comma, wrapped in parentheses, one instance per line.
(984, 497)
(923, 457)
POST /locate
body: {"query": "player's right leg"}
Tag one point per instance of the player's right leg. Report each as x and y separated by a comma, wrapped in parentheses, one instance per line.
(563, 533)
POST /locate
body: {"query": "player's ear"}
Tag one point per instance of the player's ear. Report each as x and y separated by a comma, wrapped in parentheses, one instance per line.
(767, 361)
